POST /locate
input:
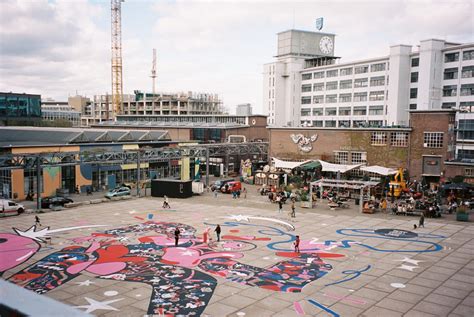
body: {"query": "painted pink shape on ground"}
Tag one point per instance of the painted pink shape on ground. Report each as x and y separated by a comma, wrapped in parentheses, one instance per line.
(76, 268)
(190, 257)
(162, 240)
(94, 246)
(15, 250)
(299, 310)
(106, 268)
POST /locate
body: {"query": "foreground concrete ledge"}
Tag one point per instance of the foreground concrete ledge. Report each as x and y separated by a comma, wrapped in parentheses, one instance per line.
(29, 303)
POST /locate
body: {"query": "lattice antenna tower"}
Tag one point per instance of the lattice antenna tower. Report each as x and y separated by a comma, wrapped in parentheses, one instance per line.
(153, 71)
(117, 85)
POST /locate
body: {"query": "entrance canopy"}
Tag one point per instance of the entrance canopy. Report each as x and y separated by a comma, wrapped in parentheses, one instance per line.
(379, 170)
(342, 168)
(288, 165)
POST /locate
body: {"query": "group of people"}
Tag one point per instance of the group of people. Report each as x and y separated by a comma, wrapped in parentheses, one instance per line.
(177, 234)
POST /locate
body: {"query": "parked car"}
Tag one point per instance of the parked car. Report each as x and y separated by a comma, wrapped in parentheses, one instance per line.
(219, 183)
(120, 191)
(231, 187)
(55, 201)
(10, 208)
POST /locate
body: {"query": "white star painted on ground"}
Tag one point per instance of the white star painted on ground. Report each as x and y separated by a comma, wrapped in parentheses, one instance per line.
(132, 212)
(85, 283)
(314, 241)
(187, 253)
(95, 305)
(407, 267)
(405, 259)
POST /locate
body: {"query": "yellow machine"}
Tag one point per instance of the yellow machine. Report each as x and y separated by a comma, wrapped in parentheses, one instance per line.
(398, 185)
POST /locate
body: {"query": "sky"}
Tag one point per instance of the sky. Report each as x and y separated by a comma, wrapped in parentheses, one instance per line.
(60, 48)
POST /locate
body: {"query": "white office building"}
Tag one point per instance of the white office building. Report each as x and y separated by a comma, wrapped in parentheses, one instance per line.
(244, 109)
(309, 86)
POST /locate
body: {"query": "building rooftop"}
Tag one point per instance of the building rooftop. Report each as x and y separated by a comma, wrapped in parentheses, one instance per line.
(170, 124)
(34, 136)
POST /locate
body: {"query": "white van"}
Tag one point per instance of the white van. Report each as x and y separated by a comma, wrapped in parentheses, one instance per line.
(10, 208)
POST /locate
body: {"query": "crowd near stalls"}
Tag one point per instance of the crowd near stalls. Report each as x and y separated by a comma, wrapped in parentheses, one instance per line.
(371, 188)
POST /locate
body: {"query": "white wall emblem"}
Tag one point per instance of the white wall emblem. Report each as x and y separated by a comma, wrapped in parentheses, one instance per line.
(304, 143)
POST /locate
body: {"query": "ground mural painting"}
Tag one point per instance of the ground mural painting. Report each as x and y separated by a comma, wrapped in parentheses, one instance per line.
(182, 278)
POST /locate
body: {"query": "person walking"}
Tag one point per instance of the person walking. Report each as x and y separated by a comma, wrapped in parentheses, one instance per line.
(245, 193)
(293, 213)
(280, 206)
(37, 221)
(422, 220)
(218, 233)
(297, 244)
(166, 204)
(176, 236)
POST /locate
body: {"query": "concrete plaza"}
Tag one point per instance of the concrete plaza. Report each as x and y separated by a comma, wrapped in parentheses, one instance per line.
(350, 264)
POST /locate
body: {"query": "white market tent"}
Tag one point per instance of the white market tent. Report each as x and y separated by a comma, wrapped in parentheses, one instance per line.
(342, 168)
(288, 165)
(379, 170)
(346, 184)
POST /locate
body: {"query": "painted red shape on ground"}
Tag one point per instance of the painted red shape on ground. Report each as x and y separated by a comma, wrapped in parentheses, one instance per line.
(140, 218)
(321, 255)
(234, 230)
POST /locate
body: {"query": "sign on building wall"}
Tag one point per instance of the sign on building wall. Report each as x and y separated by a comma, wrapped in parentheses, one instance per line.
(319, 23)
(305, 144)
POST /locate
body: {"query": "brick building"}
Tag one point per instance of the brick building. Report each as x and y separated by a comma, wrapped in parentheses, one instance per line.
(387, 147)
(432, 142)
(422, 148)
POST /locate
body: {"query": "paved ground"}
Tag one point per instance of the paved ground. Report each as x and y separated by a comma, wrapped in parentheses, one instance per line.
(348, 265)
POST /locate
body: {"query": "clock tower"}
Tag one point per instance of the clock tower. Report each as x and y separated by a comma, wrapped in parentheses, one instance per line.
(305, 44)
(282, 79)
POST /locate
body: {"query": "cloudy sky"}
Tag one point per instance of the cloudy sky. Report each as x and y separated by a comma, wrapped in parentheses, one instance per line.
(56, 48)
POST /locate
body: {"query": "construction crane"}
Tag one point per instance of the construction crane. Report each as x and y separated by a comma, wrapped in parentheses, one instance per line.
(153, 71)
(117, 85)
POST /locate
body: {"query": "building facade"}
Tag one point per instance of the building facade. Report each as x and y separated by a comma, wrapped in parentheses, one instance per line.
(147, 104)
(20, 106)
(244, 110)
(19, 182)
(203, 128)
(425, 148)
(375, 92)
(56, 111)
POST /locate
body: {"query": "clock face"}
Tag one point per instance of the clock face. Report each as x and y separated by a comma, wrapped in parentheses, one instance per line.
(326, 45)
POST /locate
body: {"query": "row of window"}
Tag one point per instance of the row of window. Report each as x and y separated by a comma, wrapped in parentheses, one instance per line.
(343, 111)
(356, 97)
(452, 73)
(465, 105)
(342, 157)
(345, 84)
(378, 67)
(454, 57)
(400, 139)
(343, 123)
(451, 90)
